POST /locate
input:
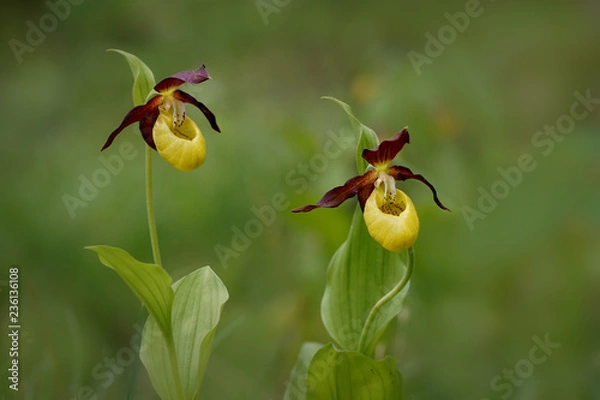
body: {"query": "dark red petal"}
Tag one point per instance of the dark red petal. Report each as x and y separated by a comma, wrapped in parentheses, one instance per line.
(146, 125)
(338, 195)
(134, 115)
(196, 76)
(364, 194)
(402, 173)
(387, 150)
(186, 98)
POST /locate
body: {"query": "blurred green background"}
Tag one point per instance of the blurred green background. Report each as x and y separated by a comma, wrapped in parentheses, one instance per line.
(480, 292)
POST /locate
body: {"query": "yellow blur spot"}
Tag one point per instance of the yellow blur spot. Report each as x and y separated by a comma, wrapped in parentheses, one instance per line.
(363, 88)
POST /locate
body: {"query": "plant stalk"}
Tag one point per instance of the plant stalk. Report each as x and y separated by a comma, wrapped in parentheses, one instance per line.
(158, 261)
(385, 299)
(150, 209)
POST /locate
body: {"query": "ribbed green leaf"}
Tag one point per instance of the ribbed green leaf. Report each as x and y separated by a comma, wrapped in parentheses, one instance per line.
(143, 78)
(367, 138)
(345, 375)
(360, 273)
(199, 299)
(296, 388)
(149, 282)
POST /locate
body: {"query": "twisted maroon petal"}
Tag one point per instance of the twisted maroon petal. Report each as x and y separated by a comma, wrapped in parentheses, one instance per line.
(387, 150)
(363, 195)
(134, 115)
(146, 125)
(402, 173)
(196, 76)
(187, 98)
(339, 194)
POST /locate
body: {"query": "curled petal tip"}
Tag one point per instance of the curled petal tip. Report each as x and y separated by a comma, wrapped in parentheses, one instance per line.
(194, 77)
(402, 173)
(203, 68)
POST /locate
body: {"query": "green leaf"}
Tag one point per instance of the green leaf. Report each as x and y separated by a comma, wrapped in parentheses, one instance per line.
(199, 299)
(360, 273)
(346, 375)
(149, 282)
(296, 389)
(367, 138)
(143, 78)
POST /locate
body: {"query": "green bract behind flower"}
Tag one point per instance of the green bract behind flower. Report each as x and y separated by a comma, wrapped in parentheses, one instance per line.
(143, 78)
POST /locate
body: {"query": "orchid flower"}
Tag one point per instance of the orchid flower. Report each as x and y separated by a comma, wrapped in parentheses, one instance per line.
(165, 126)
(389, 214)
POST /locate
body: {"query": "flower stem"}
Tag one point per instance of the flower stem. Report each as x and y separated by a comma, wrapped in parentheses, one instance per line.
(158, 261)
(362, 345)
(150, 209)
